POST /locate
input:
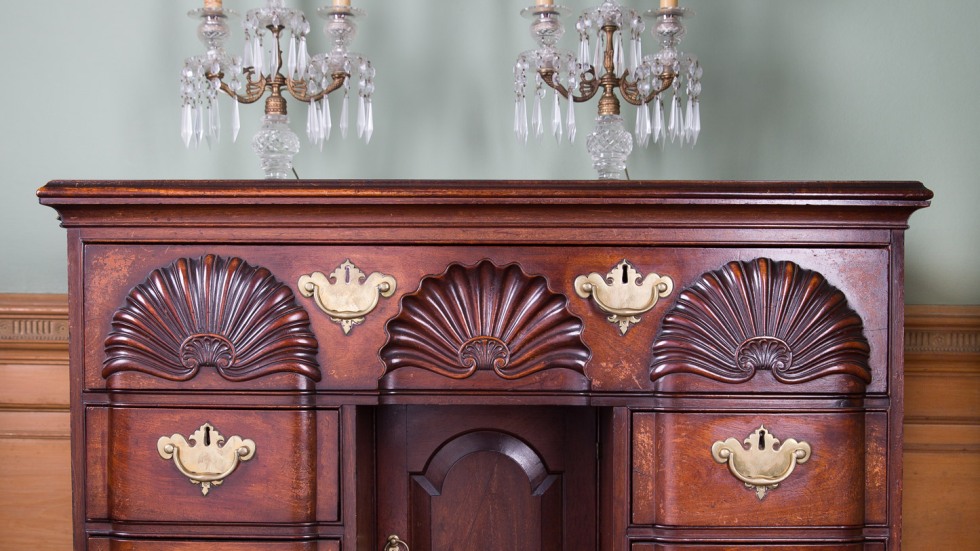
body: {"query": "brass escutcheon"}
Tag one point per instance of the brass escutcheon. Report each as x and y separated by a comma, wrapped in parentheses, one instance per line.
(621, 294)
(761, 466)
(207, 462)
(347, 295)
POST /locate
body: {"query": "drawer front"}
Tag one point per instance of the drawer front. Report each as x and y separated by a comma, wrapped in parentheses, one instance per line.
(105, 544)
(276, 484)
(677, 481)
(454, 296)
(731, 547)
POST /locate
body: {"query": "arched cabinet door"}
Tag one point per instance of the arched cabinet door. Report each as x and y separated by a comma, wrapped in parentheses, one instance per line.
(483, 477)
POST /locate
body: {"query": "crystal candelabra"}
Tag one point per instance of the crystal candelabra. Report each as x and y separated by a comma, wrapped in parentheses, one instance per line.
(309, 79)
(642, 82)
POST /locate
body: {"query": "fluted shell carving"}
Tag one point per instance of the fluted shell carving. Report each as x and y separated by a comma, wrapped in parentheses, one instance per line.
(485, 317)
(762, 315)
(211, 312)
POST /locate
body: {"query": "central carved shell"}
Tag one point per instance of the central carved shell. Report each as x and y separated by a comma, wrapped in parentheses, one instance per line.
(485, 317)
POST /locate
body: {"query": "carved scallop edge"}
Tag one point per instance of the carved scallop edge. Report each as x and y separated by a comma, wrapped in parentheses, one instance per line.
(302, 360)
(667, 362)
(580, 368)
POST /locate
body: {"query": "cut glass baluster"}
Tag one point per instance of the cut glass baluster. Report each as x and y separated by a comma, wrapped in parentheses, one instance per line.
(344, 116)
(236, 121)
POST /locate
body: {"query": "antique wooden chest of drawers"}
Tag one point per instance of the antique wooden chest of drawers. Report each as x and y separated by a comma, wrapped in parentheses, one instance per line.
(643, 366)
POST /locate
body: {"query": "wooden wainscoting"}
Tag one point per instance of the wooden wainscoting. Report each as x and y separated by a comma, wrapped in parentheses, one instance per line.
(942, 427)
(35, 471)
(942, 431)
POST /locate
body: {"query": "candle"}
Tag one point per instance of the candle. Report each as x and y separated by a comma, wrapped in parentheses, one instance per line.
(544, 2)
(341, 3)
(668, 4)
(212, 4)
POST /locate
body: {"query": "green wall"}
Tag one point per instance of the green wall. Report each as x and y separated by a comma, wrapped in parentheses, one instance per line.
(793, 89)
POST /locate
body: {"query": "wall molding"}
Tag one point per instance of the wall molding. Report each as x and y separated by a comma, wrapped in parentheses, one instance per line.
(27, 318)
(942, 330)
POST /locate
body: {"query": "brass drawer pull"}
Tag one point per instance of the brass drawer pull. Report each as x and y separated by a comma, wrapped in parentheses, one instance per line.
(621, 294)
(761, 467)
(347, 295)
(207, 462)
(395, 544)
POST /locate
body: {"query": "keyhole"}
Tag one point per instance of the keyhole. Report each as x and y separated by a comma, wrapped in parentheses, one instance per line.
(762, 439)
(626, 278)
(207, 436)
(347, 274)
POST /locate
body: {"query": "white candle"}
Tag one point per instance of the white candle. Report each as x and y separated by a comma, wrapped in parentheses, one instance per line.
(544, 2)
(212, 4)
(668, 4)
(342, 3)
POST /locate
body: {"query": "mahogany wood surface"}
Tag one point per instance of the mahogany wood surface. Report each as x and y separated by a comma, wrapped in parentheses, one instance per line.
(430, 401)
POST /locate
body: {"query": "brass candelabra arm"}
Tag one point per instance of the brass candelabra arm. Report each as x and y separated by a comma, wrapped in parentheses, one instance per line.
(588, 88)
(631, 93)
(299, 89)
(253, 88)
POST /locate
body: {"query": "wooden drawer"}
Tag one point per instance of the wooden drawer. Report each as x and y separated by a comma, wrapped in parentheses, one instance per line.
(442, 292)
(276, 485)
(676, 480)
(731, 547)
(104, 544)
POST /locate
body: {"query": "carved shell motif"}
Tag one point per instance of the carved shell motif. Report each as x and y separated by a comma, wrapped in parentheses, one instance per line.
(212, 312)
(485, 317)
(762, 314)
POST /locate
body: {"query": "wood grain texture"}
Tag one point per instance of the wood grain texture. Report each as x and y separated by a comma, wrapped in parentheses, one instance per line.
(692, 489)
(276, 486)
